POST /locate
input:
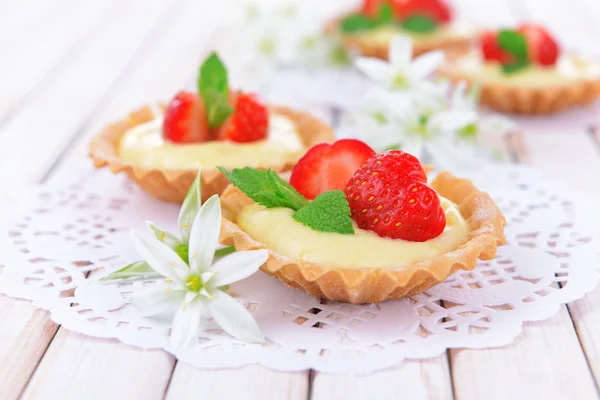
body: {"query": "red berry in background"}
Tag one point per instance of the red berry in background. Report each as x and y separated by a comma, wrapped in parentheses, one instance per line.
(389, 195)
(329, 166)
(370, 8)
(249, 121)
(541, 45)
(438, 10)
(185, 119)
(492, 51)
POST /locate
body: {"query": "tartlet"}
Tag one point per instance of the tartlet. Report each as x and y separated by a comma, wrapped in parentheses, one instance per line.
(485, 233)
(541, 86)
(172, 184)
(375, 41)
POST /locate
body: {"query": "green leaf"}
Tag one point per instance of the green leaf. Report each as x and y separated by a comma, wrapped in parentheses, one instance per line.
(385, 15)
(265, 187)
(357, 23)
(218, 108)
(224, 251)
(138, 269)
(189, 208)
(419, 24)
(167, 238)
(513, 42)
(214, 90)
(515, 66)
(328, 212)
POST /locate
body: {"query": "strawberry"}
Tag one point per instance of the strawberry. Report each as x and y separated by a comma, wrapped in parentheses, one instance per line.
(541, 46)
(389, 195)
(185, 119)
(329, 166)
(491, 49)
(437, 10)
(249, 121)
(370, 8)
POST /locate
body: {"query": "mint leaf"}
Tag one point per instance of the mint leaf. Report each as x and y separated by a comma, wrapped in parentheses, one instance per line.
(328, 212)
(419, 24)
(265, 188)
(513, 42)
(138, 269)
(385, 14)
(218, 108)
(515, 66)
(214, 90)
(356, 23)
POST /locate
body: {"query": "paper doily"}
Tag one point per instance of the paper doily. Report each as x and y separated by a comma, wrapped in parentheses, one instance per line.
(62, 239)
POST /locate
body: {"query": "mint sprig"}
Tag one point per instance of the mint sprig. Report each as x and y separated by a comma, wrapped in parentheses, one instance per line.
(419, 24)
(214, 89)
(328, 212)
(359, 22)
(515, 44)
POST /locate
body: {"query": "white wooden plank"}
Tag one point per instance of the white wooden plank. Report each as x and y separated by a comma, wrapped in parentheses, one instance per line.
(56, 112)
(252, 382)
(415, 380)
(24, 336)
(75, 367)
(28, 56)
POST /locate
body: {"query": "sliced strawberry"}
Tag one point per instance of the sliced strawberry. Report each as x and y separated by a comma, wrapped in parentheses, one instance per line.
(541, 45)
(370, 8)
(492, 51)
(329, 166)
(185, 119)
(389, 195)
(437, 10)
(249, 121)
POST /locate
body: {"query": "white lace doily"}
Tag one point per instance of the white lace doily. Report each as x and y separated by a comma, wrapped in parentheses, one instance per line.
(62, 239)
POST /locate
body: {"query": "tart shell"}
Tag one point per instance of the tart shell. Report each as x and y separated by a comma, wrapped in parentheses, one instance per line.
(172, 185)
(531, 100)
(374, 285)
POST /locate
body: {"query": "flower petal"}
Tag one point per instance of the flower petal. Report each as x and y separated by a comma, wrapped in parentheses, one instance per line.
(238, 266)
(378, 70)
(401, 51)
(234, 319)
(161, 257)
(167, 238)
(185, 324)
(190, 207)
(204, 236)
(426, 64)
(155, 301)
(451, 121)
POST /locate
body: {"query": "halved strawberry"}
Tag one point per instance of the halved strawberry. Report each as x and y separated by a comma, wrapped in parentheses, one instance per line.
(491, 49)
(541, 46)
(437, 10)
(329, 166)
(185, 119)
(370, 8)
(389, 195)
(249, 121)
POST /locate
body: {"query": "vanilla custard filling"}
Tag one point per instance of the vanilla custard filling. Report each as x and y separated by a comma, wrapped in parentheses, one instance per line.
(568, 69)
(276, 228)
(383, 35)
(145, 146)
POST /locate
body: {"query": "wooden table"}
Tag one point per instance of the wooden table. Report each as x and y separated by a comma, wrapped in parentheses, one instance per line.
(68, 66)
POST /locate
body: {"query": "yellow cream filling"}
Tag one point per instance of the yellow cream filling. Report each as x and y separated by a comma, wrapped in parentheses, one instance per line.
(276, 228)
(568, 69)
(144, 145)
(383, 35)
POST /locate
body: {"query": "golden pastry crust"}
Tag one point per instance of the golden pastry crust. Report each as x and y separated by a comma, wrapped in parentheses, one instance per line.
(374, 285)
(366, 47)
(172, 185)
(522, 100)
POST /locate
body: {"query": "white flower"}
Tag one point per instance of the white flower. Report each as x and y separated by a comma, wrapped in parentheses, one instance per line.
(402, 72)
(197, 286)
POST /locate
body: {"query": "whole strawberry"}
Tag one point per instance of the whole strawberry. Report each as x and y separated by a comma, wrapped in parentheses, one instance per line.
(249, 121)
(389, 195)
